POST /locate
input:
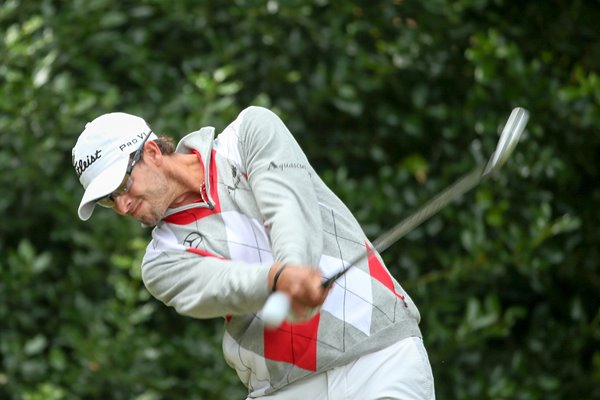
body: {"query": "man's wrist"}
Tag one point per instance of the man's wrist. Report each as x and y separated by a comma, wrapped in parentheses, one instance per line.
(280, 269)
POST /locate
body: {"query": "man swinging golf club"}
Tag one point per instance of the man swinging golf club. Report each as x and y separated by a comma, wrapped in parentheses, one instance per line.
(242, 215)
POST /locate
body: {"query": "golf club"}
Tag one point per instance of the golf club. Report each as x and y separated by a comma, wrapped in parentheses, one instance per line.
(277, 307)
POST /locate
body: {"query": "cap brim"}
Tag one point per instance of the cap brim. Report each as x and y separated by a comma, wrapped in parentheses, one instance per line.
(105, 183)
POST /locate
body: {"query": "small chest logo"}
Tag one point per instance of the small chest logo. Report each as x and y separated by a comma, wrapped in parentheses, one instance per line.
(284, 165)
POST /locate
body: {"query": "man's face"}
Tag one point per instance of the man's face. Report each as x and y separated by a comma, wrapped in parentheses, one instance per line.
(148, 198)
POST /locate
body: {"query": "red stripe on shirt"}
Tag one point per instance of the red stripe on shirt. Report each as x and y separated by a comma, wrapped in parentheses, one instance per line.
(194, 214)
(203, 253)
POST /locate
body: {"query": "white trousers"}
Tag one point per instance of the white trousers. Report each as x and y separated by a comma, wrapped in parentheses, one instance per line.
(401, 371)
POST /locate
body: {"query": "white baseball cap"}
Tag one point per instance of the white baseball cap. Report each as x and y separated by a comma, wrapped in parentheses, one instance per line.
(101, 155)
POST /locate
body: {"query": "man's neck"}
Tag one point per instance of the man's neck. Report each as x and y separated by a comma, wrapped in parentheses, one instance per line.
(187, 175)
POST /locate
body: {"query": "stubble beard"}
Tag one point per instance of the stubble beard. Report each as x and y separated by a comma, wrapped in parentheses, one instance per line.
(158, 202)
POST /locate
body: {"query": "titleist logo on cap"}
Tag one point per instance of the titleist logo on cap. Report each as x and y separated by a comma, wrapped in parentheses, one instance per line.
(83, 164)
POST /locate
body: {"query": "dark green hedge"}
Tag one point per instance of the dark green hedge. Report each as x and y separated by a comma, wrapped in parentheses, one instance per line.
(392, 100)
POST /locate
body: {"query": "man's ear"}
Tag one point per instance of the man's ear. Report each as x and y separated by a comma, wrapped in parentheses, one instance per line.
(152, 153)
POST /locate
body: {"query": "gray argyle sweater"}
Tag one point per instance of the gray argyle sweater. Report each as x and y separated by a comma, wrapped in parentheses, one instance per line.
(265, 203)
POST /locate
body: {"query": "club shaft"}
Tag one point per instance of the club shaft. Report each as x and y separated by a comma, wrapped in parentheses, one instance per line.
(453, 192)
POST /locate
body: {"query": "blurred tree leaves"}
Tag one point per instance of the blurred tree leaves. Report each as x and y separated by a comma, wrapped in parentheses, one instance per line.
(392, 100)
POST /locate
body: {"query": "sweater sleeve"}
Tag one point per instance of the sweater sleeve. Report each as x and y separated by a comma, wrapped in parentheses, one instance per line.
(205, 287)
(281, 179)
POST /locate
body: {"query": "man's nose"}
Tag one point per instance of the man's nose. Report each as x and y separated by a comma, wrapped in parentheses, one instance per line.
(123, 203)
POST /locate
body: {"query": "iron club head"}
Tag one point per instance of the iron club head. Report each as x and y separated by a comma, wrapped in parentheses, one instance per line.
(508, 139)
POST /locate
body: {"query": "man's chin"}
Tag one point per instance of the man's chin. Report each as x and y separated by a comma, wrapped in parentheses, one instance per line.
(147, 223)
(149, 220)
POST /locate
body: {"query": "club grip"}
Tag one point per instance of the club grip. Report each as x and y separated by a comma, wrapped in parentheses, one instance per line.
(276, 309)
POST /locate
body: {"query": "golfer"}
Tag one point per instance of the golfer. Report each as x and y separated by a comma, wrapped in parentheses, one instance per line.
(243, 214)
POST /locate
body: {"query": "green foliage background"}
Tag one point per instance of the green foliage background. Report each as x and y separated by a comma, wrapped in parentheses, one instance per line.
(392, 100)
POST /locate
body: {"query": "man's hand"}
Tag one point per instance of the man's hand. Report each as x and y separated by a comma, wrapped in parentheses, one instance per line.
(304, 286)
